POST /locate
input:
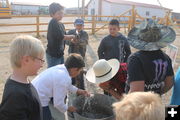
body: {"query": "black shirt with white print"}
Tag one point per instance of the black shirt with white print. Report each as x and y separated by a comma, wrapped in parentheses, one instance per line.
(149, 66)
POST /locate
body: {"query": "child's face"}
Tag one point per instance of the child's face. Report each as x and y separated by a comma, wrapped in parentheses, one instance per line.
(58, 15)
(79, 27)
(113, 30)
(33, 64)
(75, 72)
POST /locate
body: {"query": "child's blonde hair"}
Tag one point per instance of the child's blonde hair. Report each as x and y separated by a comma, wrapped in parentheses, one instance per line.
(24, 45)
(140, 106)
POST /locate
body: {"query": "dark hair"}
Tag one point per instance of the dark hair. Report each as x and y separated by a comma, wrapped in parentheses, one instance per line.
(74, 61)
(54, 7)
(114, 22)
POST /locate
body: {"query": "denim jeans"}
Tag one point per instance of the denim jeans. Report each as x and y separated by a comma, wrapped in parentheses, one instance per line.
(47, 113)
(52, 61)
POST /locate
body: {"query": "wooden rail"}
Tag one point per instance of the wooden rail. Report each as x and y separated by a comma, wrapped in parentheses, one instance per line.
(93, 22)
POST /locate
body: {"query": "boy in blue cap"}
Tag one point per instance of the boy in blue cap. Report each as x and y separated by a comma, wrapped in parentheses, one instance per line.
(81, 38)
(79, 46)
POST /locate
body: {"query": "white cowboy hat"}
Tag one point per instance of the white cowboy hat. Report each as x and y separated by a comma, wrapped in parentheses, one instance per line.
(102, 71)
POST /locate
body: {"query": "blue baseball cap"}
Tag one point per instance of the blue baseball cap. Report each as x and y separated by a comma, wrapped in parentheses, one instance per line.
(79, 22)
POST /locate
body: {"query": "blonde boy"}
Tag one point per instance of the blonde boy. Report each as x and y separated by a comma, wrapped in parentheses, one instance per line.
(140, 106)
(20, 100)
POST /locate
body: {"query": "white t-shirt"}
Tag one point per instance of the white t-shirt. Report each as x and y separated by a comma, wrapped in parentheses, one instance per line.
(54, 82)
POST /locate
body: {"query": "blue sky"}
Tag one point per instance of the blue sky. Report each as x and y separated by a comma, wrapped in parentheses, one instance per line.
(172, 4)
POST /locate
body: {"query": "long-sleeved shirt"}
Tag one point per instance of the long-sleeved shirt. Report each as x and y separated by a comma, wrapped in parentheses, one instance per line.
(114, 47)
(20, 102)
(55, 83)
(82, 39)
(55, 37)
(80, 46)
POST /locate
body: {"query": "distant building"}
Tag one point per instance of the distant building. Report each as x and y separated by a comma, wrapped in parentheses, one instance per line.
(117, 7)
(74, 10)
(28, 9)
(175, 15)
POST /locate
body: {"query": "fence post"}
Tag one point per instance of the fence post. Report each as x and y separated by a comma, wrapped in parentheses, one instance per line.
(37, 26)
(93, 24)
(129, 24)
(133, 16)
(167, 18)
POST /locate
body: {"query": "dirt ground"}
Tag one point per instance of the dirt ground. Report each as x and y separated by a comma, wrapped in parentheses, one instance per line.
(91, 56)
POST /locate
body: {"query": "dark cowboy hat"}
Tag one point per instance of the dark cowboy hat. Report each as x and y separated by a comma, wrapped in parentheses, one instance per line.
(150, 36)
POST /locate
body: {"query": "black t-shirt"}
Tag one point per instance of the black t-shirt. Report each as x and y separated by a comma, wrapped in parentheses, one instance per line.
(114, 47)
(149, 66)
(20, 102)
(55, 36)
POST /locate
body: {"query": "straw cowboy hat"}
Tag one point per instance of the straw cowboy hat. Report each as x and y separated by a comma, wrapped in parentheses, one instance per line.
(102, 71)
(150, 36)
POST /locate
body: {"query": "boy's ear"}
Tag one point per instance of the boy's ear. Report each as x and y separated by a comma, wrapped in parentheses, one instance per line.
(25, 59)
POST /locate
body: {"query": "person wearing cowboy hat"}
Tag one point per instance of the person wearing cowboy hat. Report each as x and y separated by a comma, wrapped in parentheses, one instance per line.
(109, 75)
(150, 69)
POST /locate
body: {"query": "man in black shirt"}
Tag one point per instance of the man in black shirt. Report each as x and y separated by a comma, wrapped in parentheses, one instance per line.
(115, 45)
(20, 100)
(150, 69)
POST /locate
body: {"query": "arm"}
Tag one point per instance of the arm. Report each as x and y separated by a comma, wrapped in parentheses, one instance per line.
(59, 33)
(136, 86)
(69, 37)
(60, 89)
(101, 50)
(84, 38)
(75, 90)
(82, 92)
(59, 94)
(59, 100)
(168, 83)
(108, 89)
(136, 77)
(87, 38)
(169, 80)
(127, 51)
(56, 31)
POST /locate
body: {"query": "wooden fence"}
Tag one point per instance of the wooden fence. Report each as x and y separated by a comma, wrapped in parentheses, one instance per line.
(95, 23)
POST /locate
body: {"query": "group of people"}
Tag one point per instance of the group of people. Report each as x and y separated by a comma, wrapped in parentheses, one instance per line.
(142, 76)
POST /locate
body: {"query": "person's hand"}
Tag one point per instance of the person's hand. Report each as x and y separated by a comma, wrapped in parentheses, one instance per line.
(72, 109)
(74, 40)
(72, 37)
(83, 92)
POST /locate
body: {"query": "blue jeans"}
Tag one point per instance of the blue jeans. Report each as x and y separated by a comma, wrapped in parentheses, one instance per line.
(52, 61)
(47, 113)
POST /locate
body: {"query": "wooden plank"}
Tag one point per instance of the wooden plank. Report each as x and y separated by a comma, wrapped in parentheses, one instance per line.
(2, 25)
(37, 26)
(17, 32)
